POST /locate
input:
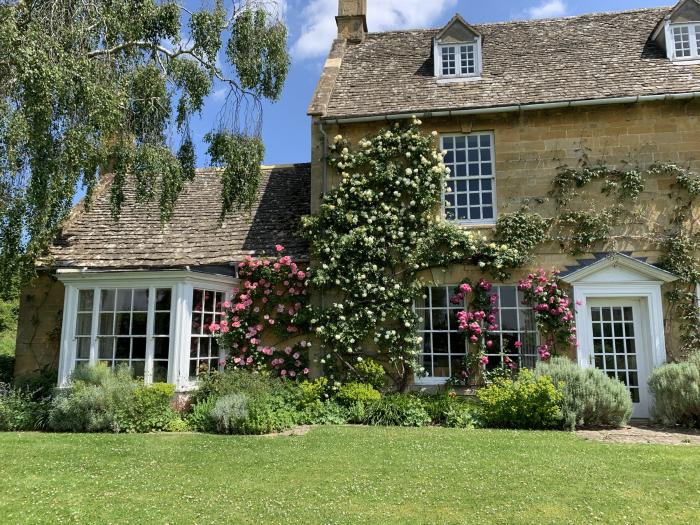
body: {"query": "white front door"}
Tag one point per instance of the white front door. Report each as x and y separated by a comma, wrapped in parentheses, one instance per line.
(619, 347)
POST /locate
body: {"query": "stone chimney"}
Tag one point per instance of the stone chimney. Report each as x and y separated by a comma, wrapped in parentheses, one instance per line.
(352, 20)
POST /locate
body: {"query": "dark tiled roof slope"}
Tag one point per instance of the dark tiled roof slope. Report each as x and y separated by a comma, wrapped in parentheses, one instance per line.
(536, 61)
(194, 237)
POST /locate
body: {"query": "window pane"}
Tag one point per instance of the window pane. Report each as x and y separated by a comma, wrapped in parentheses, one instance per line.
(106, 324)
(162, 323)
(83, 326)
(140, 300)
(85, 300)
(82, 350)
(138, 348)
(122, 324)
(124, 300)
(107, 300)
(160, 372)
(161, 348)
(138, 323)
(163, 296)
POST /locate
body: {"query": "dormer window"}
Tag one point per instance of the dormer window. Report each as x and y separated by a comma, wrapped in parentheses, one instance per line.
(679, 32)
(457, 51)
(458, 60)
(686, 41)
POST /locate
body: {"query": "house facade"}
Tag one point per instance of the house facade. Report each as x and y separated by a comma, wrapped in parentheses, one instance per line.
(512, 103)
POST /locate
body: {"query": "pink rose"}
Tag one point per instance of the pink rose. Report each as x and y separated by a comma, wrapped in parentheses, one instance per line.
(279, 248)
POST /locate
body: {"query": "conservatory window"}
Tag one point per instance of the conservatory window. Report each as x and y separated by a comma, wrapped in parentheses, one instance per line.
(686, 41)
(205, 354)
(124, 326)
(444, 347)
(470, 193)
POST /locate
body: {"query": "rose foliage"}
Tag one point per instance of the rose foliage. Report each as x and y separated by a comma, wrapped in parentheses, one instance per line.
(271, 302)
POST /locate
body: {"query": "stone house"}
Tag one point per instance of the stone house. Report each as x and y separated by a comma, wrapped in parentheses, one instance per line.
(512, 102)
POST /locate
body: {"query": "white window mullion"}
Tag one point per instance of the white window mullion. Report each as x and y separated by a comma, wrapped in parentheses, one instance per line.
(68, 340)
(150, 341)
(94, 334)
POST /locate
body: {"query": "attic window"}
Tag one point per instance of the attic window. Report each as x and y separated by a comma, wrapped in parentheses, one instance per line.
(458, 60)
(457, 51)
(686, 41)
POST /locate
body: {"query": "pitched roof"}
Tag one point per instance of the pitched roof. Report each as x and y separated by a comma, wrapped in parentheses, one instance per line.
(525, 62)
(194, 236)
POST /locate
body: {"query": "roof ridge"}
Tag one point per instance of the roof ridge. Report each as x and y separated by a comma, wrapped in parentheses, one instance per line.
(205, 169)
(527, 21)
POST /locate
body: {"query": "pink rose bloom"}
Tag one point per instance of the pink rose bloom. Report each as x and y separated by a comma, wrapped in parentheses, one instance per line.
(301, 275)
(306, 371)
(288, 350)
(517, 344)
(283, 373)
(296, 355)
(292, 373)
(226, 304)
(484, 360)
(279, 248)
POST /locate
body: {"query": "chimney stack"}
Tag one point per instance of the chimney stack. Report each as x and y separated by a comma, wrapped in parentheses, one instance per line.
(352, 20)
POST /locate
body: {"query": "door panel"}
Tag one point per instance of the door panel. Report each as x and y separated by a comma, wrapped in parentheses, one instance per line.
(618, 347)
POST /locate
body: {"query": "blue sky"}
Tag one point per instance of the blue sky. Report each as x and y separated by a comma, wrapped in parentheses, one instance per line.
(286, 127)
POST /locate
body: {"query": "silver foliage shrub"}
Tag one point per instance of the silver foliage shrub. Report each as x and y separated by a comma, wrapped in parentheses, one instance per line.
(229, 413)
(676, 391)
(591, 398)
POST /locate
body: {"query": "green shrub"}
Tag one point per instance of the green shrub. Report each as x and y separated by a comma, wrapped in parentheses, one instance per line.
(528, 402)
(253, 384)
(200, 417)
(91, 403)
(19, 410)
(177, 424)
(451, 411)
(325, 413)
(676, 391)
(100, 400)
(266, 415)
(371, 372)
(396, 409)
(352, 393)
(272, 403)
(229, 413)
(312, 393)
(590, 397)
(148, 410)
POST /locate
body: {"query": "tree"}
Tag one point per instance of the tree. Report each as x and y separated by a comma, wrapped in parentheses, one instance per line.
(90, 87)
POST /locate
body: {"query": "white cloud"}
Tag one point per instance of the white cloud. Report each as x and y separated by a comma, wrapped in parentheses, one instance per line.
(548, 9)
(319, 30)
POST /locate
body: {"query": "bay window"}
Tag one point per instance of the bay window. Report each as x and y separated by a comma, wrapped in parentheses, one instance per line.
(156, 323)
(445, 347)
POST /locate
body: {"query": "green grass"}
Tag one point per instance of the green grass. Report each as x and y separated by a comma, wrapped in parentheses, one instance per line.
(345, 475)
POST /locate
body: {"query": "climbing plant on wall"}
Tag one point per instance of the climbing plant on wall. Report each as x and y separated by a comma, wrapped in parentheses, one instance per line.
(374, 235)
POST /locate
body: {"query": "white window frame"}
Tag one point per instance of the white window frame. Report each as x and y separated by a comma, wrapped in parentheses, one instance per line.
(429, 380)
(451, 176)
(181, 282)
(694, 41)
(459, 74)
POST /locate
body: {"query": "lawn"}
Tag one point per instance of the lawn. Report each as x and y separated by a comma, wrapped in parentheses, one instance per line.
(345, 475)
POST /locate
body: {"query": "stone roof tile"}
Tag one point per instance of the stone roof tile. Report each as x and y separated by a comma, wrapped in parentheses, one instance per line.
(194, 236)
(524, 62)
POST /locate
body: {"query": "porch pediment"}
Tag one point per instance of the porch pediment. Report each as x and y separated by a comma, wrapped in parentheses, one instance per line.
(619, 268)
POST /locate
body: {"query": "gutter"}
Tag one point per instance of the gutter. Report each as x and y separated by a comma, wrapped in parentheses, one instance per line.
(518, 108)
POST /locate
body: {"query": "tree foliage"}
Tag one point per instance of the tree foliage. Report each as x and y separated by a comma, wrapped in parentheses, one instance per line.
(98, 86)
